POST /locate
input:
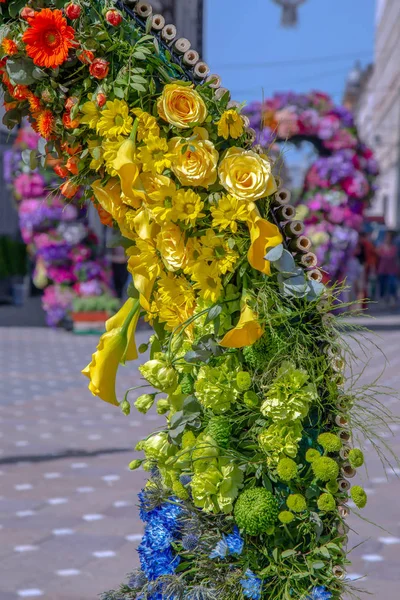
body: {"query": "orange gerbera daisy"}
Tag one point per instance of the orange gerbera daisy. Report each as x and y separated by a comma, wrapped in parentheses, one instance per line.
(45, 123)
(9, 46)
(48, 38)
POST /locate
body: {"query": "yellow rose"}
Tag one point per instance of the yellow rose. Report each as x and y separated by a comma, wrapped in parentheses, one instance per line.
(246, 174)
(197, 166)
(181, 106)
(171, 245)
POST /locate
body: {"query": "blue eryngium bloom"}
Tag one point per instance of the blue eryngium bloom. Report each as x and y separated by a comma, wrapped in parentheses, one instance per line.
(251, 586)
(230, 544)
(320, 593)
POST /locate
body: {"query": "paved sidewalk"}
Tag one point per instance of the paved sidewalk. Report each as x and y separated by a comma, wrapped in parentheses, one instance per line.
(68, 519)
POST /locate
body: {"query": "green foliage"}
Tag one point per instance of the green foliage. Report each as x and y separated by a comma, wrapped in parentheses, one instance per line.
(256, 511)
(280, 439)
(257, 355)
(220, 429)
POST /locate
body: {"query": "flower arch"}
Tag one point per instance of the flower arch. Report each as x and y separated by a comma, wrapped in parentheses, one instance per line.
(63, 248)
(339, 185)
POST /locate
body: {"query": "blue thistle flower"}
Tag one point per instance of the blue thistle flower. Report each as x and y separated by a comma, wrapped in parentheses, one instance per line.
(251, 586)
(235, 542)
(320, 593)
(137, 580)
(190, 541)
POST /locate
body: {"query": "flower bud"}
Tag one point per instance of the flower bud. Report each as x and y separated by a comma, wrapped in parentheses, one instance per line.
(135, 464)
(163, 406)
(85, 56)
(99, 68)
(27, 13)
(114, 17)
(144, 403)
(143, 348)
(125, 407)
(101, 99)
(73, 11)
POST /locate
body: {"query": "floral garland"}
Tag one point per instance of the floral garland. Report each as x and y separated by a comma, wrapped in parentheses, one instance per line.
(339, 184)
(249, 479)
(60, 243)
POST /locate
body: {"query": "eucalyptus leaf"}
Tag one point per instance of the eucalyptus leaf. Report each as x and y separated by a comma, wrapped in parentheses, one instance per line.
(275, 253)
(213, 313)
(42, 146)
(285, 263)
(20, 70)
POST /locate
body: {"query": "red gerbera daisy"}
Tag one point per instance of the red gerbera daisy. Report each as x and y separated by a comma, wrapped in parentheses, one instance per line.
(45, 123)
(48, 38)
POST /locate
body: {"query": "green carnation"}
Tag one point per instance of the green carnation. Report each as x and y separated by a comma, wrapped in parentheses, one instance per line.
(215, 387)
(144, 402)
(286, 517)
(312, 455)
(356, 458)
(325, 468)
(289, 397)
(205, 452)
(158, 448)
(216, 487)
(332, 486)
(220, 429)
(251, 399)
(296, 502)
(243, 381)
(187, 384)
(326, 503)
(330, 442)
(280, 439)
(256, 511)
(159, 374)
(287, 469)
(257, 355)
(358, 496)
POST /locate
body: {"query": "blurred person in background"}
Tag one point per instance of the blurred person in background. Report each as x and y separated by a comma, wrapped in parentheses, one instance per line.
(388, 269)
(368, 257)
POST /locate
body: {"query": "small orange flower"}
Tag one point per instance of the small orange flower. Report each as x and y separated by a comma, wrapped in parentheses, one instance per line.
(9, 46)
(69, 189)
(85, 56)
(21, 92)
(105, 217)
(48, 38)
(70, 103)
(68, 122)
(71, 150)
(72, 165)
(45, 123)
(34, 103)
(61, 171)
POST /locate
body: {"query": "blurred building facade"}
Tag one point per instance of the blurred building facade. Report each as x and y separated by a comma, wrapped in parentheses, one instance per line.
(374, 96)
(187, 15)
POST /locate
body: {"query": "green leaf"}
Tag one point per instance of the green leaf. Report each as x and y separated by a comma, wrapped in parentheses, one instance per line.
(38, 73)
(20, 70)
(139, 55)
(213, 313)
(138, 79)
(275, 253)
(12, 118)
(119, 92)
(33, 162)
(15, 7)
(324, 552)
(318, 565)
(42, 146)
(138, 87)
(149, 22)
(287, 553)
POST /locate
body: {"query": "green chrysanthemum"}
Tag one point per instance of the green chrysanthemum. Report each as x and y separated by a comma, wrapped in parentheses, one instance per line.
(215, 387)
(286, 517)
(243, 380)
(326, 503)
(358, 496)
(296, 502)
(286, 469)
(330, 442)
(325, 468)
(256, 511)
(289, 397)
(251, 399)
(356, 458)
(332, 486)
(220, 429)
(312, 455)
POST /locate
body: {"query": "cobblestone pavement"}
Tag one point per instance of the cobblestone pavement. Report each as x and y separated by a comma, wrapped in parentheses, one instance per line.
(68, 519)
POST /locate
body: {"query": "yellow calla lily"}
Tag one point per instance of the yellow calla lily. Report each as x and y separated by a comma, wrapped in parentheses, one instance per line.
(263, 235)
(109, 197)
(142, 280)
(114, 347)
(247, 331)
(127, 167)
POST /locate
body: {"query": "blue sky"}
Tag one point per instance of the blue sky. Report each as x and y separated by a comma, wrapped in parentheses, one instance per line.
(332, 33)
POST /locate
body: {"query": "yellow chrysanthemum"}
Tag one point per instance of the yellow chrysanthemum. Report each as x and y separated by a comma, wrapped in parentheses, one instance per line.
(91, 114)
(149, 257)
(174, 301)
(115, 119)
(110, 151)
(188, 206)
(171, 246)
(148, 126)
(215, 251)
(207, 281)
(228, 212)
(155, 156)
(161, 202)
(230, 125)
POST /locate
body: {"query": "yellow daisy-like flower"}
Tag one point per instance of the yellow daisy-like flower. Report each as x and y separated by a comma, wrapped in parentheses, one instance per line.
(230, 125)
(188, 206)
(155, 156)
(175, 300)
(148, 126)
(149, 257)
(91, 114)
(228, 212)
(110, 151)
(161, 202)
(115, 119)
(214, 250)
(207, 281)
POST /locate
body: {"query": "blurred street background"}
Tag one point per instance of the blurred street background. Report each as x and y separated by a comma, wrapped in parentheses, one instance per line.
(69, 524)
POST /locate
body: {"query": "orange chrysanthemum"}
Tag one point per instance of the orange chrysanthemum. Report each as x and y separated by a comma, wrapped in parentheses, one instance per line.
(21, 92)
(9, 46)
(45, 123)
(48, 38)
(34, 103)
